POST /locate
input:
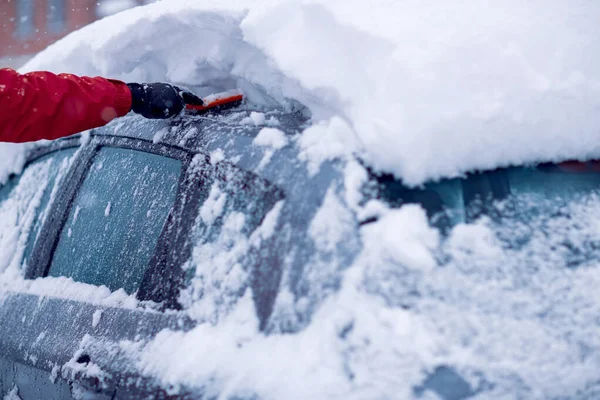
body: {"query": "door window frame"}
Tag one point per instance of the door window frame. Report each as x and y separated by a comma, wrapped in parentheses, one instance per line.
(32, 156)
(164, 275)
(44, 248)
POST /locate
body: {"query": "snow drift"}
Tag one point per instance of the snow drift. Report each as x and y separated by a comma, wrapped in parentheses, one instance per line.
(430, 90)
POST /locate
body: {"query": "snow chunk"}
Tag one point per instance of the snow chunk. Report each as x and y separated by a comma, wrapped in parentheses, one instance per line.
(258, 118)
(54, 373)
(255, 118)
(159, 136)
(13, 394)
(220, 277)
(96, 318)
(213, 206)
(267, 228)
(211, 98)
(326, 141)
(75, 368)
(403, 236)
(106, 210)
(324, 228)
(271, 137)
(66, 288)
(217, 156)
(355, 176)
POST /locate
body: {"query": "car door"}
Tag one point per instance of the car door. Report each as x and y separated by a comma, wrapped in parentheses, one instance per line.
(86, 253)
(25, 201)
(107, 260)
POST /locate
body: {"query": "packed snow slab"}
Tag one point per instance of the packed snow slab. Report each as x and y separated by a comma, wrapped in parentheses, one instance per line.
(430, 90)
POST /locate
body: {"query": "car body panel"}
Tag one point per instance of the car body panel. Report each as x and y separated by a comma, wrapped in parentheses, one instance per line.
(58, 336)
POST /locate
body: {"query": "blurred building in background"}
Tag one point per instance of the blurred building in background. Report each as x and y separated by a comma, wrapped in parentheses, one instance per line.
(28, 26)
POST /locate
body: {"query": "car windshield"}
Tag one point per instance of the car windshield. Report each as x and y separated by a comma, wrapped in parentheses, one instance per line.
(518, 192)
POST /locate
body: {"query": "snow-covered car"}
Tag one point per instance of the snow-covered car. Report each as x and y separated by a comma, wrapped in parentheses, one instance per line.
(121, 212)
(389, 216)
(114, 223)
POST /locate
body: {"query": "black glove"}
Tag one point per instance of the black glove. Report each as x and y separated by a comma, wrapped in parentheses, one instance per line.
(160, 100)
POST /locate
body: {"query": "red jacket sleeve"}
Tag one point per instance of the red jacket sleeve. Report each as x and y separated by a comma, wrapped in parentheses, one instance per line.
(42, 105)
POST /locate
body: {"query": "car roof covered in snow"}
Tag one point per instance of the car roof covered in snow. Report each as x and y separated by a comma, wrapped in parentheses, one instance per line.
(427, 90)
(263, 143)
(194, 132)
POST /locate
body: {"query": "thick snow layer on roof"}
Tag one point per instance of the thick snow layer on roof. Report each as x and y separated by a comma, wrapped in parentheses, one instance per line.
(429, 89)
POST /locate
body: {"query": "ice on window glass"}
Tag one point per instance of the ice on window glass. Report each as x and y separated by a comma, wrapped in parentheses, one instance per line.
(116, 219)
(231, 209)
(24, 205)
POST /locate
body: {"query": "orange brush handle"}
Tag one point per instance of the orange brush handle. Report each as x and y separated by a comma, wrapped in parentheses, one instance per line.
(215, 103)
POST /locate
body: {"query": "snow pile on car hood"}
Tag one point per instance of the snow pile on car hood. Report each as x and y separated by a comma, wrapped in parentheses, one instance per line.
(429, 89)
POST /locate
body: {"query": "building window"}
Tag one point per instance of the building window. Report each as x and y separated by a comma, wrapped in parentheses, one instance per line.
(56, 16)
(25, 15)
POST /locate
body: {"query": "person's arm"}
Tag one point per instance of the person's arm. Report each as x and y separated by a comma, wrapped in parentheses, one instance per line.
(42, 105)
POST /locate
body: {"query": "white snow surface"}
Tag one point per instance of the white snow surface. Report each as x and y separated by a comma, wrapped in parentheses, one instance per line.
(509, 322)
(96, 318)
(428, 89)
(12, 159)
(271, 137)
(425, 90)
(13, 394)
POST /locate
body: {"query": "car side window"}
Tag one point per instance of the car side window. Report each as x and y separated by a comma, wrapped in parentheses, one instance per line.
(248, 201)
(116, 218)
(237, 201)
(24, 204)
(518, 193)
(443, 201)
(234, 207)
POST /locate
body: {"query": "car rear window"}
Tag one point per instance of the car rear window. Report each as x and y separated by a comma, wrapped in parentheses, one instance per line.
(500, 193)
(116, 218)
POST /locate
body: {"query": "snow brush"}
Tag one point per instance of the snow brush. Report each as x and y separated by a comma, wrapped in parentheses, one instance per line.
(218, 102)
